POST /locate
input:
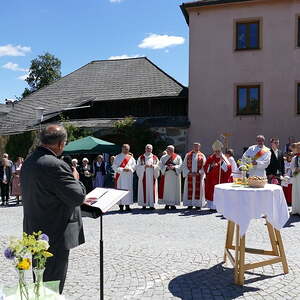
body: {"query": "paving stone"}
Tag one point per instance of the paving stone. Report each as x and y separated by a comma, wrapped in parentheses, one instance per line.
(157, 255)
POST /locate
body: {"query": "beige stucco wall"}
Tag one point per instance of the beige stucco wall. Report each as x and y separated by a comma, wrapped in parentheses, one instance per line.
(215, 69)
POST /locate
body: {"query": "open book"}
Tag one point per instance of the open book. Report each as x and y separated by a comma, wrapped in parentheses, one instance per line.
(102, 199)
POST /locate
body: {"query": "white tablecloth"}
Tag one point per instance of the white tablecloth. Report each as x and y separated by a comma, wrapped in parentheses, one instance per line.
(241, 204)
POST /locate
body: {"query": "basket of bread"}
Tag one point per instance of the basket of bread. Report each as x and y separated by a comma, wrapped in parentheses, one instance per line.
(257, 181)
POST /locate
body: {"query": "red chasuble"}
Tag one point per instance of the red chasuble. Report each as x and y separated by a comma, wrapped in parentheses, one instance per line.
(212, 171)
(155, 160)
(198, 176)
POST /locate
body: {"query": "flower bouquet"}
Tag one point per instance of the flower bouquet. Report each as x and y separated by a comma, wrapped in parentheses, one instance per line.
(25, 252)
(245, 165)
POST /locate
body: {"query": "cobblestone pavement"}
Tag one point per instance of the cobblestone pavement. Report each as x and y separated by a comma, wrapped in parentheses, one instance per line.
(166, 255)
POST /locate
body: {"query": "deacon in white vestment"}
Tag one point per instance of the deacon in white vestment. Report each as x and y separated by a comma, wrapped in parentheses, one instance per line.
(193, 172)
(170, 182)
(260, 156)
(124, 167)
(147, 170)
(295, 166)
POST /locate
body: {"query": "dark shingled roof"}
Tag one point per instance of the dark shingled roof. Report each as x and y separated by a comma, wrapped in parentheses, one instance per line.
(202, 3)
(4, 109)
(103, 80)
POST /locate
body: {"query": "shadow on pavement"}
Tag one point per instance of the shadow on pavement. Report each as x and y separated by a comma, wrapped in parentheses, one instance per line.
(161, 211)
(208, 284)
(291, 220)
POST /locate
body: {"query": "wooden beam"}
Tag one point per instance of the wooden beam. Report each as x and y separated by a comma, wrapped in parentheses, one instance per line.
(263, 263)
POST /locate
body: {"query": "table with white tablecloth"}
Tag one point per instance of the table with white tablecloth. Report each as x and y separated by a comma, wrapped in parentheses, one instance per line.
(239, 205)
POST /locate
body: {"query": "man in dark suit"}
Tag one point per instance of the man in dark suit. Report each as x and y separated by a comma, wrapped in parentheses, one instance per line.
(51, 199)
(276, 166)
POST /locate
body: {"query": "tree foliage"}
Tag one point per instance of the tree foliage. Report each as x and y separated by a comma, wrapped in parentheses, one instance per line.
(137, 136)
(43, 70)
(20, 144)
(74, 132)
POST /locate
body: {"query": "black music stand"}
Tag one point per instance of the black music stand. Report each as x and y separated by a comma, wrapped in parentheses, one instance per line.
(102, 200)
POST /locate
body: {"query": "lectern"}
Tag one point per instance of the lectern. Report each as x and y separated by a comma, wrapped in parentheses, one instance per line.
(100, 201)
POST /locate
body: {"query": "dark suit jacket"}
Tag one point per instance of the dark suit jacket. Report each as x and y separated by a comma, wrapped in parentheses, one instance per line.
(51, 198)
(276, 164)
(8, 174)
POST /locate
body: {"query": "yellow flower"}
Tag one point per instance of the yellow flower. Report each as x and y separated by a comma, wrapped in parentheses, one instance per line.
(24, 264)
(47, 254)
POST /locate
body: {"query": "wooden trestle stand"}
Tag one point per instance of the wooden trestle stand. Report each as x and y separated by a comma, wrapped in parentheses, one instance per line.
(238, 259)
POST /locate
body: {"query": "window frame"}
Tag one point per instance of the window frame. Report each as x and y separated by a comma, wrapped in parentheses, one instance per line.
(248, 87)
(247, 22)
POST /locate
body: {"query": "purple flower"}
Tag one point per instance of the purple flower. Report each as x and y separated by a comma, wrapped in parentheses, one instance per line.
(9, 254)
(44, 237)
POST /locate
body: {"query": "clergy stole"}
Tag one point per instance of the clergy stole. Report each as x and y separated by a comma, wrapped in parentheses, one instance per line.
(169, 162)
(122, 165)
(198, 175)
(155, 160)
(260, 153)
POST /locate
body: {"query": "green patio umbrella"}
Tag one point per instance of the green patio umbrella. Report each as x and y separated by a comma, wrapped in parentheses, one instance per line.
(91, 145)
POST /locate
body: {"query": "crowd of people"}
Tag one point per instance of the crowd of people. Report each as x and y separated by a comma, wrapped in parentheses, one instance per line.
(160, 180)
(10, 179)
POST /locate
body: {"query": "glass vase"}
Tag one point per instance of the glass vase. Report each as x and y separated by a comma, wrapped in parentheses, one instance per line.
(38, 284)
(244, 177)
(22, 285)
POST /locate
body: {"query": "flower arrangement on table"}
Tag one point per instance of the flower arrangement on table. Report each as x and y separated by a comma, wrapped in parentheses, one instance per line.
(245, 165)
(30, 250)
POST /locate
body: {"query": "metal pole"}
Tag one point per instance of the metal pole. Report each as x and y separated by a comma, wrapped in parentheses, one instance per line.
(101, 260)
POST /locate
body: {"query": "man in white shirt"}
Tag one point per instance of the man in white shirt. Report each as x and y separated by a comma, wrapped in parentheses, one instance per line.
(260, 156)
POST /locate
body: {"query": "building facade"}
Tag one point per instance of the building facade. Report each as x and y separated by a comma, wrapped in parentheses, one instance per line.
(244, 70)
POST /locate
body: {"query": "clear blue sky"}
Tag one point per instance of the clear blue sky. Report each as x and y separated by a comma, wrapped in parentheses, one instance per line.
(79, 31)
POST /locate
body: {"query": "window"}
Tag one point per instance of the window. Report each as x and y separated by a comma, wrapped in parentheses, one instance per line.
(248, 100)
(298, 98)
(247, 35)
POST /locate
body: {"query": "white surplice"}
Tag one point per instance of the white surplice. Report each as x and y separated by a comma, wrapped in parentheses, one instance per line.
(262, 162)
(185, 171)
(150, 195)
(125, 180)
(296, 186)
(172, 186)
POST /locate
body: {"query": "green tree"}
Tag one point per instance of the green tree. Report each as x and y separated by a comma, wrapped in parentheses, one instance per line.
(74, 132)
(127, 131)
(43, 70)
(20, 144)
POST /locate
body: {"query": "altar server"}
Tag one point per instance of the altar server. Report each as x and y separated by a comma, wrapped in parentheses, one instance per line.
(194, 174)
(218, 170)
(170, 182)
(296, 181)
(147, 170)
(287, 180)
(124, 167)
(260, 156)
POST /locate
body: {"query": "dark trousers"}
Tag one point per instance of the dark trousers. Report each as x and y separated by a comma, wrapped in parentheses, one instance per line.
(57, 267)
(4, 192)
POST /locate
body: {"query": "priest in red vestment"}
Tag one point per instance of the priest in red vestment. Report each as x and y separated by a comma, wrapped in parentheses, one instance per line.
(218, 170)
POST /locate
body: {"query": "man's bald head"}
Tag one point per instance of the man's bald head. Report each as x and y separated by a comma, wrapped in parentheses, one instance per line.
(53, 134)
